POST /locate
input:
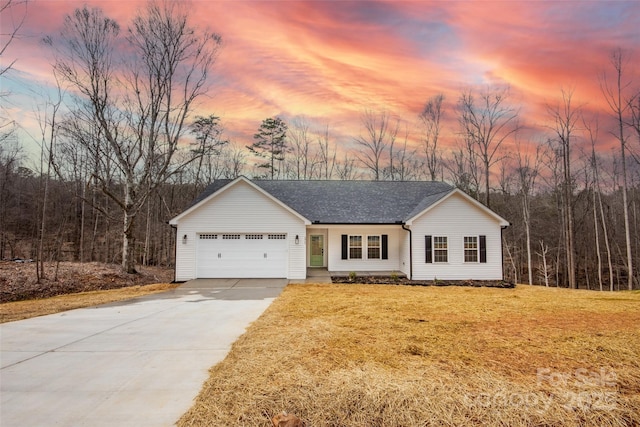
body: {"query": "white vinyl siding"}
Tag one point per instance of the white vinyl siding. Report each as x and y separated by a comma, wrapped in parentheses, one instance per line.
(395, 237)
(240, 210)
(457, 218)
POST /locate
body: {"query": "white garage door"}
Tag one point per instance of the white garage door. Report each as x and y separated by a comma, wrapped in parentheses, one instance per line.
(242, 255)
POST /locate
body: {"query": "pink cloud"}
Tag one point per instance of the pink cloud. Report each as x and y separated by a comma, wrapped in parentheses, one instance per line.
(332, 60)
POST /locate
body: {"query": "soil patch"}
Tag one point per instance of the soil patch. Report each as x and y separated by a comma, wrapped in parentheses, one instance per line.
(389, 280)
(18, 310)
(18, 279)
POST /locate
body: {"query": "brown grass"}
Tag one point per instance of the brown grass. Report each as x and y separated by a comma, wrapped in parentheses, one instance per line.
(18, 280)
(19, 310)
(375, 355)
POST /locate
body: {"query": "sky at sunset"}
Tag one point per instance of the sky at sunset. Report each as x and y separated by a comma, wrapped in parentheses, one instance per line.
(331, 60)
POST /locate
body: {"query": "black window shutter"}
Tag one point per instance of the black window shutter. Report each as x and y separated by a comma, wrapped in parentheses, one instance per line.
(483, 248)
(427, 249)
(385, 246)
(345, 246)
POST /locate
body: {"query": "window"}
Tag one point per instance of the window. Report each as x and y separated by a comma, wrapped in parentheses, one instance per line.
(208, 236)
(373, 247)
(253, 236)
(355, 247)
(471, 249)
(277, 236)
(230, 237)
(440, 249)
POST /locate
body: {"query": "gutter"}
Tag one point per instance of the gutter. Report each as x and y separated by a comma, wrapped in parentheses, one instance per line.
(315, 222)
(410, 251)
(501, 247)
(175, 250)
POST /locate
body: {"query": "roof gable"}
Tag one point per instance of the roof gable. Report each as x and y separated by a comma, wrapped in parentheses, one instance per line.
(220, 186)
(420, 211)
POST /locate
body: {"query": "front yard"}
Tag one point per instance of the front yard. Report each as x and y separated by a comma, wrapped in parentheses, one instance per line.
(384, 355)
(77, 285)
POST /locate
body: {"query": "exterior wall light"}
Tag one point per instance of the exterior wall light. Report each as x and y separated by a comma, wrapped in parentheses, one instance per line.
(297, 239)
(184, 239)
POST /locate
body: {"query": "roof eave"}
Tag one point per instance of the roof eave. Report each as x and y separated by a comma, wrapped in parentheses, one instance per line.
(357, 223)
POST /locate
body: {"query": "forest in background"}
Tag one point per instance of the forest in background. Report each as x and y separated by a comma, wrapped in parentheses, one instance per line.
(125, 152)
(79, 222)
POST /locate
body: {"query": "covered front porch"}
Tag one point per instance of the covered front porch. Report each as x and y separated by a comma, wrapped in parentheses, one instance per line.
(367, 250)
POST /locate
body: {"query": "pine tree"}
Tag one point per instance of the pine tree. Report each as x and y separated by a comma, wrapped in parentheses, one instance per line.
(271, 144)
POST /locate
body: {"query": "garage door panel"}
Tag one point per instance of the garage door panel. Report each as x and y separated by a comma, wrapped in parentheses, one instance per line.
(242, 255)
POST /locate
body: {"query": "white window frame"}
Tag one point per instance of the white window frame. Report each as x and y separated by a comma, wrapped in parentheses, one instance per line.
(476, 250)
(436, 250)
(361, 247)
(379, 247)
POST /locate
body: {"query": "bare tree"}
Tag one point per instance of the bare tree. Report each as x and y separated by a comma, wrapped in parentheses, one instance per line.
(327, 155)
(613, 94)
(544, 271)
(512, 261)
(564, 117)
(380, 135)
(527, 172)
(430, 117)
(597, 203)
(487, 121)
(346, 169)
(49, 133)
(233, 161)
(463, 168)
(141, 99)
(11, 156)
(553, 178)
(405, 164)
(634, 107)
(302, 157)
(9, 33)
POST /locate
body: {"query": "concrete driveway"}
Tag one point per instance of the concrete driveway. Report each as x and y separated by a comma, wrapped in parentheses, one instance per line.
(139, 362)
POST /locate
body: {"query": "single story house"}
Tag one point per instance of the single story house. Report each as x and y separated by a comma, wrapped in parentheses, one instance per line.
(257, 228)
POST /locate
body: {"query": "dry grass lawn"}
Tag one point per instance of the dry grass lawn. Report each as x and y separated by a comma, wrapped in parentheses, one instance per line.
(19, 310)
(377, 355)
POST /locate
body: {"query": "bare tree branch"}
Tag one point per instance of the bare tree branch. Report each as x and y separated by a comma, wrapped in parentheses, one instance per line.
(487, 121)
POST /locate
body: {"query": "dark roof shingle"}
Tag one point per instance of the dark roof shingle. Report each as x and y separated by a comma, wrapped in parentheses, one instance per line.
(349, 202)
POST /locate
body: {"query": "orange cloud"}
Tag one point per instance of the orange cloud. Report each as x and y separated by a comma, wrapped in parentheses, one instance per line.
(331, 60)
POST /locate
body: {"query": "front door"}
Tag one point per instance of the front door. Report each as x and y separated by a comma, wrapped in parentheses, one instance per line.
(316, 257)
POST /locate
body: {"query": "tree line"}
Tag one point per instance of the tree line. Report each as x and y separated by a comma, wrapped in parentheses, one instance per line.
(122, 153)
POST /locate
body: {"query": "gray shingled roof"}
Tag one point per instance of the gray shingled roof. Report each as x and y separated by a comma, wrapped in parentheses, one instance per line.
(350, 202)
